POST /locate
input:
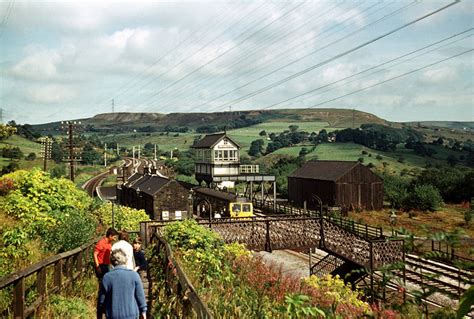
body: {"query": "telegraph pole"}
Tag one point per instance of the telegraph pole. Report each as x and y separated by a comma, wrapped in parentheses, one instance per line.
(155, 152)
(46, 144)
(133, 156)
(113, 106)
(105, 154)
(70, 126)
(138, 151)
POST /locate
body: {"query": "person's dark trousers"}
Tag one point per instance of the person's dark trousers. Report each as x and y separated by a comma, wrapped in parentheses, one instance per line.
(103, 270)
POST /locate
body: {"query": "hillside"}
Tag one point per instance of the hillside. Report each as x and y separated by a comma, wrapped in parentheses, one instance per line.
(120, 122)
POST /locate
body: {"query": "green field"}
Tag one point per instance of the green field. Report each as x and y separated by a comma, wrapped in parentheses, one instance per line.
(243, 136)
(352, 152)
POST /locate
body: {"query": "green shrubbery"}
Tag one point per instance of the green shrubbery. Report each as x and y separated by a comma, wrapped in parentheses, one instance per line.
(41, 213)
(125, 218)
(234, 284)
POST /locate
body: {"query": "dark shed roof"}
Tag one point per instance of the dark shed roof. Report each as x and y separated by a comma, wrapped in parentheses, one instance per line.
(210, 140)
(148, 184)
(153, 185)
(214, 193)
(132, 179)
(324, 170)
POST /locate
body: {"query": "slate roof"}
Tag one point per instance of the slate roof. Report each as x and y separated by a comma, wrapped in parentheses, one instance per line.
(324, 170)
(210, 140)
(148, 184)
(214, 193)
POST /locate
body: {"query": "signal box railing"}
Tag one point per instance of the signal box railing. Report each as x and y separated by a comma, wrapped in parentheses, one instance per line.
(188, 303)
(44, 278)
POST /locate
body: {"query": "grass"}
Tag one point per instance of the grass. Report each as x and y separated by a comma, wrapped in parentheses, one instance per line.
(76, 302)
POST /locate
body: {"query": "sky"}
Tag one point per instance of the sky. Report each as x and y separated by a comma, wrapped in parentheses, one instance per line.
(400, 60)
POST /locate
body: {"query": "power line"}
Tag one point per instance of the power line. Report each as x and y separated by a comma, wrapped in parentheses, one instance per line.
(297, 74)
(304, 57)
(6, 17)
(226, 51)
(206, 45)
(392, 78)
(377, 66)
(131, 84)
(251, 55)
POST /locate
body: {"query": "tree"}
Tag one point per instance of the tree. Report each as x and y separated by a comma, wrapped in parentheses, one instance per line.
(262, 133)
(256, 148)
(90, 155)
(6, 131)
(12, 152)
(452, 160)
(31, 157)
(57, 153)
(293, 128)
(424, 197)
(303, 151)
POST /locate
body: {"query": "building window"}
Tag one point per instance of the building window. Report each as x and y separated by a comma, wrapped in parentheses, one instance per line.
(226, 155)
(226, 142)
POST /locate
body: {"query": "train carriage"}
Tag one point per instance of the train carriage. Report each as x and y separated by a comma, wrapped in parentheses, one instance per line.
(223, 204)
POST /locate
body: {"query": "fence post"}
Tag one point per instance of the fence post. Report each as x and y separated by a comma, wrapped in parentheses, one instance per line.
(19, 299)
(41, 282)
(371, 270)
(58, 269)
(80, 261)
(268, 246)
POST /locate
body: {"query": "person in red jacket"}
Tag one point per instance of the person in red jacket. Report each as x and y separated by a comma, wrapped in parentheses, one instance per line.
(102, 253)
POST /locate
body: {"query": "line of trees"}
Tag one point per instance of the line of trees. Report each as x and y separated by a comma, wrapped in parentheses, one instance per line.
(430, 188)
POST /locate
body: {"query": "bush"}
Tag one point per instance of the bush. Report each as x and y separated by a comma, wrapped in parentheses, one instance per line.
(395, 190)
(31, 157)
(125, 218)
(424, 197)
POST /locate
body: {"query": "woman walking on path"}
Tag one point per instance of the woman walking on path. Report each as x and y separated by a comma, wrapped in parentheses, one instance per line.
(121, 291)
(126, 247)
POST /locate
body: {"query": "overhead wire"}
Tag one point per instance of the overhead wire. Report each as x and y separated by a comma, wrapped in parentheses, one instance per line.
(392, 78)
(130, 84)
(224, 53)
(378, 66)
(303, 57)
(206, 45)
(191, 87)
(354, 49)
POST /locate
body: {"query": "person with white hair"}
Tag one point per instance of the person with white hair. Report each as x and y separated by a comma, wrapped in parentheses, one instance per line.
(121, 291)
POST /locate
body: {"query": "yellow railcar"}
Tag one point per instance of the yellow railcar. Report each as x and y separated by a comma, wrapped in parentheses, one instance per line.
(241, 209)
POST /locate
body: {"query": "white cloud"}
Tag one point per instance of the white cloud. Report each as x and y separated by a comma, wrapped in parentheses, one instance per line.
(41, 65)
(50, 94)
(439, 75)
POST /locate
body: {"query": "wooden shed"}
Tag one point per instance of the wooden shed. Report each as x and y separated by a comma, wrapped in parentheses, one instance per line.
(343, 184)
(160, 197)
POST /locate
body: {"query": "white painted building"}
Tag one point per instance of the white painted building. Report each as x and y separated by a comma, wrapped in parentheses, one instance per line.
(217, 155)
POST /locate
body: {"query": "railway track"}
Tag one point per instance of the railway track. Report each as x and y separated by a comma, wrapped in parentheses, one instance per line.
(91, 186)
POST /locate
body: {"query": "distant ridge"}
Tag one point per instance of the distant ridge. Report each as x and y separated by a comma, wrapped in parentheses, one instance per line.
(126, 120)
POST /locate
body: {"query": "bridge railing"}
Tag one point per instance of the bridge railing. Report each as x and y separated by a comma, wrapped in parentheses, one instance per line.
(177, 284)
(360, 229)
(44, 278)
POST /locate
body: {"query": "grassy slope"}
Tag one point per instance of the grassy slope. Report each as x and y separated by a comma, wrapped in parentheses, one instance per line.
(26, 146)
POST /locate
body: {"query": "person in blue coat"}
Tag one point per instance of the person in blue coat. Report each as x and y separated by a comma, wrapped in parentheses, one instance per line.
(121, 291)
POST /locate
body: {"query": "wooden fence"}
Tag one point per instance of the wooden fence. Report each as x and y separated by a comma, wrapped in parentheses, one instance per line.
(188, 304)
(44, 278)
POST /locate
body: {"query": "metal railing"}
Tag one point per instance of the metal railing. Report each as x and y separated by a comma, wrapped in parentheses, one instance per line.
(357, 228)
